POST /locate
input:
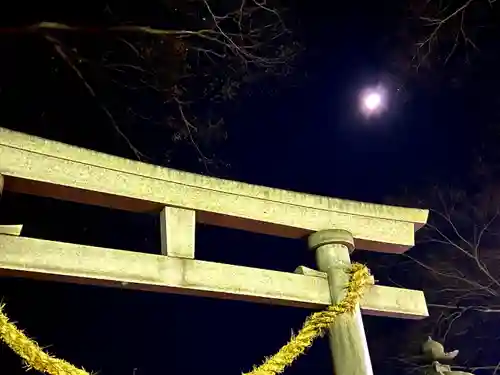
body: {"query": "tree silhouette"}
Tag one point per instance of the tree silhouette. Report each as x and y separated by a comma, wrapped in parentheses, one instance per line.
(167, 68)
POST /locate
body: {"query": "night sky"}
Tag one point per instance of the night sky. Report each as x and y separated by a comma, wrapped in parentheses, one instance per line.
(307, 137)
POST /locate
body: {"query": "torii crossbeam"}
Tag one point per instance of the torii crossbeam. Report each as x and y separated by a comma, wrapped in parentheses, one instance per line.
(42, 167)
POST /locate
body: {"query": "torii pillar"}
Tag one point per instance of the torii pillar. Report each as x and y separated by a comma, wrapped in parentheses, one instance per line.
(347, 337)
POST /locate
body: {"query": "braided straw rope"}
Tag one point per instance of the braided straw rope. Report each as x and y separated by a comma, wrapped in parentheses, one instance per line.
(314, 326)
(30, 351)
(317, 324)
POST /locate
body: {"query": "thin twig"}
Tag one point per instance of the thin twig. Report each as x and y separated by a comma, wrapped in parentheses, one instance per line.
(58, 48)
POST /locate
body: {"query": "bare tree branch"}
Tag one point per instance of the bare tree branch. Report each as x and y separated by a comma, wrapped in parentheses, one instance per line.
(446, 27)
(188, 70)
(456, 264)
(60, 51)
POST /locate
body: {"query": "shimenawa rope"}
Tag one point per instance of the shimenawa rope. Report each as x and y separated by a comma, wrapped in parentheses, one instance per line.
(315, 325)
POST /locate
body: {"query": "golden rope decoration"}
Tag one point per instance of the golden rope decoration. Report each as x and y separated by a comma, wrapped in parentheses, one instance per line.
(33, 356)
(314, 326)
(317, 324)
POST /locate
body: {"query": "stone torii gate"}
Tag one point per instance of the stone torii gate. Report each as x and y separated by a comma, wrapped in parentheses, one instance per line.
(335, 227)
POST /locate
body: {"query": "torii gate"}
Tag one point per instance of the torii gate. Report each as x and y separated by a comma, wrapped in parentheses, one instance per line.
(42, 167)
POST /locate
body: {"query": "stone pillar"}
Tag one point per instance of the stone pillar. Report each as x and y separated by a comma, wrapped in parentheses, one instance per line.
(347, 335)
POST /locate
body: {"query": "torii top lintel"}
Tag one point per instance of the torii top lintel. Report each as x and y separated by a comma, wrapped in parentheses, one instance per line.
(43, 167)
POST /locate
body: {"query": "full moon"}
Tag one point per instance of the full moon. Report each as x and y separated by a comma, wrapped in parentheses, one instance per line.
(373, 101)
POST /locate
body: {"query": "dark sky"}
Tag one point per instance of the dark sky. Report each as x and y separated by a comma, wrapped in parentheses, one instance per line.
(306, 138)
(312, 139)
